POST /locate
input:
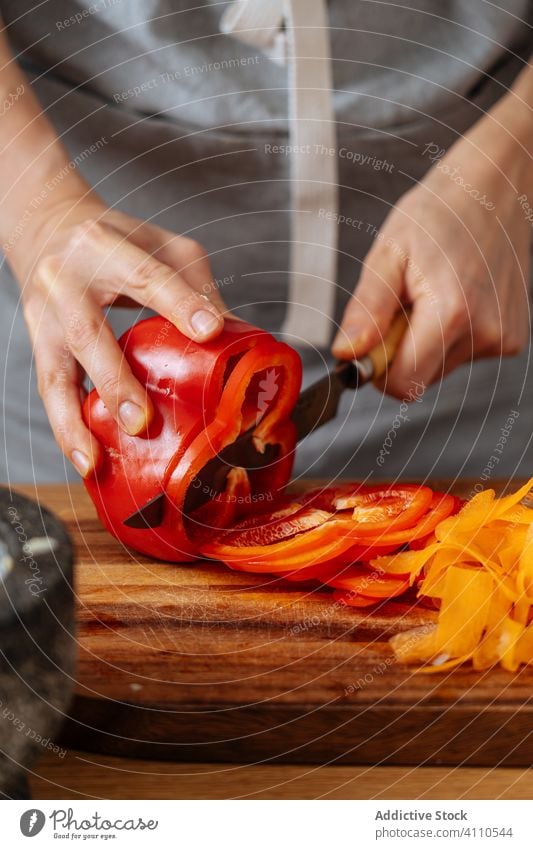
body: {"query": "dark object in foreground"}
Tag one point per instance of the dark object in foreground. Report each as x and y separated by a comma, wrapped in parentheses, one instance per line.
(37, 643)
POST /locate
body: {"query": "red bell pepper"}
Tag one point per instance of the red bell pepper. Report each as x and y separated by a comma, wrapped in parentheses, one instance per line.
(204, 397)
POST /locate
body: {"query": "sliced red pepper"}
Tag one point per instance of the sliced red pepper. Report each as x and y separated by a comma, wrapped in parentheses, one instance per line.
(334, 537)
(351, 600)
(306, 549)
(204, 396)
(277, 530)
(359, 581)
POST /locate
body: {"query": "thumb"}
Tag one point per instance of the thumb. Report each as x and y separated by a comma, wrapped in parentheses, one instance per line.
(375, 302)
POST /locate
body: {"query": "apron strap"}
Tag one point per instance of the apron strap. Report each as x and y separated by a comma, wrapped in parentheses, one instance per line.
(304, 44)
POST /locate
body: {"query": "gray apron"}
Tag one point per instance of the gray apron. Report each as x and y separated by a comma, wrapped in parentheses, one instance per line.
(183, 123)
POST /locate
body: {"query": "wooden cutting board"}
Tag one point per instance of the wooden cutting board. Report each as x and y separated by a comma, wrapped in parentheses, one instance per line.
(200, 663)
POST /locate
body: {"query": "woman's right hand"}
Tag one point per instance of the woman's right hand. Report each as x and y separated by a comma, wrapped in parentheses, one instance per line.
(83, 258)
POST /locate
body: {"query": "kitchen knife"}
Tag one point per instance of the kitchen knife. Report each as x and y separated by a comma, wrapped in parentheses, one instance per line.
(316, 405)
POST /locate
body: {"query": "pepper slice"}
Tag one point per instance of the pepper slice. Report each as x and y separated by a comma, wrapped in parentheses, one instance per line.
(383, 510)
(440, 507)
(359, 581)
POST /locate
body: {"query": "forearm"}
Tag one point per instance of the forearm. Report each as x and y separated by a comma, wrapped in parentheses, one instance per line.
(503, 138)
(514, 111)
(34, 165)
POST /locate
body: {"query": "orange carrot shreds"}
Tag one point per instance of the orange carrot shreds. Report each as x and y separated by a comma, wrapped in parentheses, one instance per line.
(462, 618)
(507, 502)
(434, 579)
(415, 644)
(464, 610)
(482, 509)
(511, 549)
(525, 565)
(487, 653)
(524, 645)
(408, 563)
(519, 515)
(510, 633)
(467, 518)
(479, 572)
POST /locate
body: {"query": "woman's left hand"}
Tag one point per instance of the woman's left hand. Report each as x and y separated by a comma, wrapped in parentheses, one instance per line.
(455, 248)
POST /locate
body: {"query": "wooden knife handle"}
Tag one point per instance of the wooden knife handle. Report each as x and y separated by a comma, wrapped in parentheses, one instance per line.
(383, 353)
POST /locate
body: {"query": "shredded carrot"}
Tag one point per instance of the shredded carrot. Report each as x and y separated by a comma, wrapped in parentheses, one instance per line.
(478, 571)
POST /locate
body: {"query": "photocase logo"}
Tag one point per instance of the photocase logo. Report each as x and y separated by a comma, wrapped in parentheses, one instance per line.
(32, 822)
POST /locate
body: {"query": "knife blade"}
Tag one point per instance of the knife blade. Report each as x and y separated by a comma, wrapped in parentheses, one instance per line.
(316, 405)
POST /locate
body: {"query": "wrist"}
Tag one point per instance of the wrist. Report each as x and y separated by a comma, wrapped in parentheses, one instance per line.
(491, 156)
(505, 134)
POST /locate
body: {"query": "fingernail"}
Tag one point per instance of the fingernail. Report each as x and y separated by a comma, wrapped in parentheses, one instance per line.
(350, 342)
(132, 417)
(81, 462)
(339, 340)
(204, 322)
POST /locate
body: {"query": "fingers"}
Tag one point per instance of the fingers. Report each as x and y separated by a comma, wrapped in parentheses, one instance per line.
(59, 387)
(434, 328)
(183, 255)
(460, 354)
(163, 289)
(191, 261)
(89, 337)
(377, 298)
(94, 266)
(93, 343)
(177, 277)
(465, 351)
(112, 266)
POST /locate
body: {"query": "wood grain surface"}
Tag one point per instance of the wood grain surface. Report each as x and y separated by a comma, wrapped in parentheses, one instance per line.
(79, 775)
(201, 664)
